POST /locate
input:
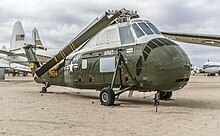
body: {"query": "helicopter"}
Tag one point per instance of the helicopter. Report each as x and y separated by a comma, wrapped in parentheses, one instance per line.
(117, 52)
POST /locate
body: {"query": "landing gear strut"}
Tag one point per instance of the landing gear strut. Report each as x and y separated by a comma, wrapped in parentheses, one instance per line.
(44, 89)
(107, 95)
(157, 99)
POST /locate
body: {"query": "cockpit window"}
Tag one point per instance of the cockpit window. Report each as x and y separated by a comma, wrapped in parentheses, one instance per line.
(153, 28)
(126, 35)
(145, 28)
(137, 30)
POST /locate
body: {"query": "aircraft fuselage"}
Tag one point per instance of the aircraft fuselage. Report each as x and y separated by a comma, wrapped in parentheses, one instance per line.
(148, 61)
(150, 67)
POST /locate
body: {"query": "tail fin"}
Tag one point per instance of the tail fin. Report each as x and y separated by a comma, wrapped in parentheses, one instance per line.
(32, 59)
(18, 37)
(36, 38)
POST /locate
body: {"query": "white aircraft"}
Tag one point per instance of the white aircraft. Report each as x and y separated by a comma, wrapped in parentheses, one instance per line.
(14, 68)
(14, 60)
(211, 68)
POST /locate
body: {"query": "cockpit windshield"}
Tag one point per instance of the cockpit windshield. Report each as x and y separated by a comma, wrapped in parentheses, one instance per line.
(145, 28)
(142, 28)
(137, 30)
(153, 28)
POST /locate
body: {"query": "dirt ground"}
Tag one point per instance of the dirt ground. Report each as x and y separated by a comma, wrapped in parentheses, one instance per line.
(193, 110)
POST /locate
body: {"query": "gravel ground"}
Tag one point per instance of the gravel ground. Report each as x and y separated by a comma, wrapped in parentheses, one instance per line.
(193, 110)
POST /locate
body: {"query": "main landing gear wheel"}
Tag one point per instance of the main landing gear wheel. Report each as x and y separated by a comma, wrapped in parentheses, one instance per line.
(107, 96)
(165, 95)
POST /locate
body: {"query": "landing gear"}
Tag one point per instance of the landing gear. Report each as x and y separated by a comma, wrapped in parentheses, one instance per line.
(44, 89)
(25, 74)
(107, 96)
(157, 99)
(165, 95)
(211, 74)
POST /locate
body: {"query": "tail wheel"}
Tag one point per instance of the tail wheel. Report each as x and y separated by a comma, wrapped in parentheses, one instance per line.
(165, 95)
(107, 96)
(44, 90)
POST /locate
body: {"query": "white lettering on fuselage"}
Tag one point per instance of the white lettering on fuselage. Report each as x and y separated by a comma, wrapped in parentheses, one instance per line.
(110, 52)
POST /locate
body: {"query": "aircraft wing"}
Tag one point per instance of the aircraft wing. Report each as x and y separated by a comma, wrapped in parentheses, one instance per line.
(205, 39)
(6, 52)
(41, 58)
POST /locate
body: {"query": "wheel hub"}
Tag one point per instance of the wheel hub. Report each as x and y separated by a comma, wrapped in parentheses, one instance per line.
(105, 97)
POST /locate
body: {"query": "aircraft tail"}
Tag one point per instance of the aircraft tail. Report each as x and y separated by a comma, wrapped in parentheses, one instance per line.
(18, 38)
(34, 64)
(36, 38)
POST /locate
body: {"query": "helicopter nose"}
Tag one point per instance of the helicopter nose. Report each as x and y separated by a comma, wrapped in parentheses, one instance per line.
(168, 67)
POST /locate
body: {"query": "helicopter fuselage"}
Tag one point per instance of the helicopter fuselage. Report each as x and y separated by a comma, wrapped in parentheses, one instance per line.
(145, 60)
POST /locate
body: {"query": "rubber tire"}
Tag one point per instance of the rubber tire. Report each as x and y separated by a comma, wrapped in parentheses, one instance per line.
(165, 95)
(212, 74)
(107, 96)
(44, 90)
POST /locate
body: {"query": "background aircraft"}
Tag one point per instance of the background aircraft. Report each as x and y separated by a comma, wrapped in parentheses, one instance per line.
(211, 68)
(14, 60)
(12, 68)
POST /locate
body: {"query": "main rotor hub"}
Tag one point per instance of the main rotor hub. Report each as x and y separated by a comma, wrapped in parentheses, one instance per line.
(126, 15)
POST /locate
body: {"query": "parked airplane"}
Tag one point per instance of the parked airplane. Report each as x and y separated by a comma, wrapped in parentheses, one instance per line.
(211, 68)
(15, 60)
(117, 53)
(14, 68)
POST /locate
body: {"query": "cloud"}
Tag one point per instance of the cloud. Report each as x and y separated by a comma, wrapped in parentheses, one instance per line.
(59, 21)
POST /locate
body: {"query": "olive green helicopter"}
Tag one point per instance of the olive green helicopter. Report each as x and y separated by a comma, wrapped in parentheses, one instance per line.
(117, 52)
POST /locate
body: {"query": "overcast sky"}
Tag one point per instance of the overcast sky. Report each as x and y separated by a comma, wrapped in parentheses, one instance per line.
(58, 21)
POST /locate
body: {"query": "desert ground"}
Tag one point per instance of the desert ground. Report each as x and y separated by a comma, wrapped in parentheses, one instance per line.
(192, 111)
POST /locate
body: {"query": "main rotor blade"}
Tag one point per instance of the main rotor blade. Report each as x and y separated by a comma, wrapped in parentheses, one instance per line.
(88, 33)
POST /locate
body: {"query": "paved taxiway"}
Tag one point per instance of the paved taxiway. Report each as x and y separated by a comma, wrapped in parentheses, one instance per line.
(194, 110)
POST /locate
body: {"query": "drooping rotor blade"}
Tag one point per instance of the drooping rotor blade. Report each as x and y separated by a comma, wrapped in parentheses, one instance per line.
(204, 39)
(90, 31)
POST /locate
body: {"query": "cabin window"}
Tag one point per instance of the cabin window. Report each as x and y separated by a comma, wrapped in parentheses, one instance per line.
(102, 37)
(126, 35)
(153, 28)
(137, 30)
(84, 64)
(107, 65)
(112, 36)
(145, 28)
